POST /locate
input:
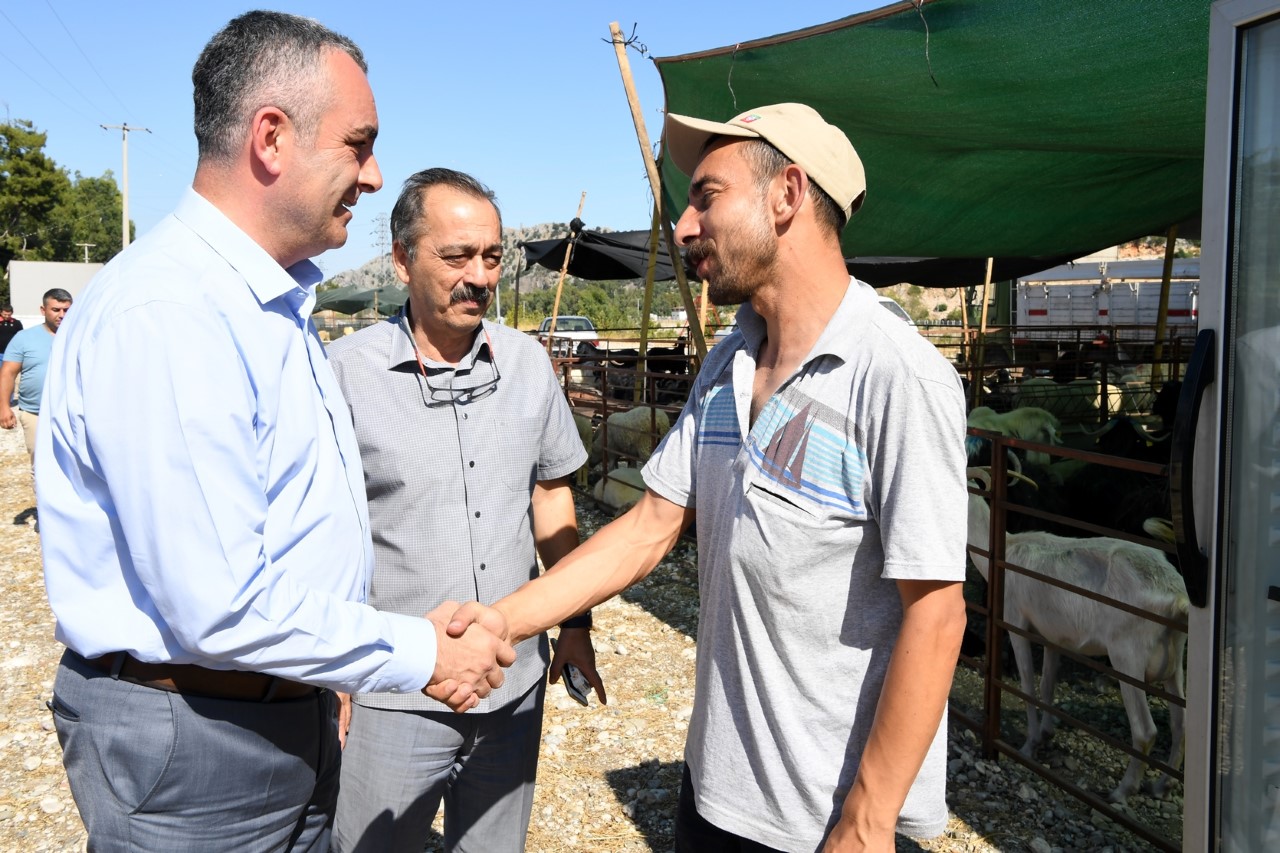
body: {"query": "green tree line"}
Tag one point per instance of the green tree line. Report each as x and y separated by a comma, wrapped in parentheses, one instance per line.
(609, 304)
(46, 212)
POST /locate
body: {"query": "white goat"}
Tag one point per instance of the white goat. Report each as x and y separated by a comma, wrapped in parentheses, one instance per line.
(1077, 401)
(1027, 423)
(1144, 650)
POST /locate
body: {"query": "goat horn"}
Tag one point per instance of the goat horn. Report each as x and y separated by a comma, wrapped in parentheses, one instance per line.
(1018, 475)
(1102, 430)
(982, 475)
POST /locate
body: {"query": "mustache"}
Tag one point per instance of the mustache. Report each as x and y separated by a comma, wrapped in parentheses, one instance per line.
(469, 293)
(698, 251)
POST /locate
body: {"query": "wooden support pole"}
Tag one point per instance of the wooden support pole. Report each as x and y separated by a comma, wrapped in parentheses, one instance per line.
(1162, 316)
(981, 342)
(655, 184)
(515, 309)
(564, 269)
(702, 309)
(650, 272)
(695, 334)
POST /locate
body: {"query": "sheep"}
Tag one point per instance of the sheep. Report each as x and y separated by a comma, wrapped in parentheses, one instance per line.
(1027, 423)
(1144, 650)
(586, 430)
(632, 434)
(620, 488)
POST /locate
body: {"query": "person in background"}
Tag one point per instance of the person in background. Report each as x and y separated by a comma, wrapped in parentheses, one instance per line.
(9, 326)
(207, 544)
(26, 358)
(468, 443)
(822, 453)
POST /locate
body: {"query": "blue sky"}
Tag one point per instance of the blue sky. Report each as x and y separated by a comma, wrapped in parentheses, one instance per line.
(524, 95)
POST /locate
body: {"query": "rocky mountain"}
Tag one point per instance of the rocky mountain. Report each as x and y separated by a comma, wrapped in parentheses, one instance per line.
(378, 271)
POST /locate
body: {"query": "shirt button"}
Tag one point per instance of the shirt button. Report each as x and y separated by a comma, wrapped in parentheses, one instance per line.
(464, 416)
(477, 513)
(482, 567)
(471, 464)
(395, 689)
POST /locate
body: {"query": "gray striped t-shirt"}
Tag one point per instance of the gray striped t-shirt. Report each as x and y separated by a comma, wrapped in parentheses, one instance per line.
(851, 478)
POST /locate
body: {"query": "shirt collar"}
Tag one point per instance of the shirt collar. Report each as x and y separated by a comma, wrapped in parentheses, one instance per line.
(265, 277)
(840, 338)
(404, 351)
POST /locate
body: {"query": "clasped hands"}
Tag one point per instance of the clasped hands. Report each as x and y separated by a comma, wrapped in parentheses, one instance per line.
(470, 654)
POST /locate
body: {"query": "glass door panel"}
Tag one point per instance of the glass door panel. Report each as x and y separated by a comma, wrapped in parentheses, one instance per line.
(1249, 680)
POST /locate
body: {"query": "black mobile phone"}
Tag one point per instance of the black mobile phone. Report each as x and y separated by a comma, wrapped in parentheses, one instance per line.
(575, 683)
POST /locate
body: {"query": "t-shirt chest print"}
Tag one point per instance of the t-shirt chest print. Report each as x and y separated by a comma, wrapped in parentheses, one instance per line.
(805, 450)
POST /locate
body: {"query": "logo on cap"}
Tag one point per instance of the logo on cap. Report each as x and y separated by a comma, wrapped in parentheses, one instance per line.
(747, 119)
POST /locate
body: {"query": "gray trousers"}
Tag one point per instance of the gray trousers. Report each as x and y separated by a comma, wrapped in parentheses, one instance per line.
(158, 771)
(399, 765)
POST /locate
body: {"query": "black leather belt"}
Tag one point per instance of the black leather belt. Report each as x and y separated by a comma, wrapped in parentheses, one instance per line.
(192, 680)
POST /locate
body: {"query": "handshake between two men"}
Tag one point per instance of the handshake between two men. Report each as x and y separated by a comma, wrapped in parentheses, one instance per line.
(473, 644)
(470, 658)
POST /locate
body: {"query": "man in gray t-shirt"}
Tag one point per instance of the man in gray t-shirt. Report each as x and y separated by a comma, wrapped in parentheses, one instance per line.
(822, 451)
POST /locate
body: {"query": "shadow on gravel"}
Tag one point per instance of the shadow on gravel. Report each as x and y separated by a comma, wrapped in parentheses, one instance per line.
(670, 592)
(648, 793)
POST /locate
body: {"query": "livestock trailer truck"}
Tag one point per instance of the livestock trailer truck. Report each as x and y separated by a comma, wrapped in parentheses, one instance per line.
(1101, 294)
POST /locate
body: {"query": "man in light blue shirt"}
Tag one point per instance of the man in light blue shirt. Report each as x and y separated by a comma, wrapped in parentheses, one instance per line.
(27, 355)
(208, 549)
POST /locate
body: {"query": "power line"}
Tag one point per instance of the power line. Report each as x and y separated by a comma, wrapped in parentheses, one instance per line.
(55, 68)
(86, 56)
(176, 161)
(26, 74)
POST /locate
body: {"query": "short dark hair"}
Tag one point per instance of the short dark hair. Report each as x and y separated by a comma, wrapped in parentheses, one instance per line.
(260, 59)
(767, 161)
(408, 217)
(56, 294)
(6, 307)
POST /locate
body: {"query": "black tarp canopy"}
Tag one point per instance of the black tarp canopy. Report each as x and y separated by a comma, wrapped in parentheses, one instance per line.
(624, 255)
(945, 272)
(600, 255)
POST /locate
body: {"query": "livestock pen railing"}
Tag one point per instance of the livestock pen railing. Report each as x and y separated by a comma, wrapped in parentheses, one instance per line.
(1084, 375)
(1164, 833)
(623, 411)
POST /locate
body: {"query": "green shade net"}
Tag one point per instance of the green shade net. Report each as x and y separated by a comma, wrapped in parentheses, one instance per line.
(1053, 128)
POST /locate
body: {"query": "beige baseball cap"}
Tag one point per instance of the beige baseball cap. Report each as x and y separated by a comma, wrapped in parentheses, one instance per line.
(821, 149)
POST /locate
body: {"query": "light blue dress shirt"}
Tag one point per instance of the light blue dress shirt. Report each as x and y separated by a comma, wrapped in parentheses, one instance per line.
(200, 491)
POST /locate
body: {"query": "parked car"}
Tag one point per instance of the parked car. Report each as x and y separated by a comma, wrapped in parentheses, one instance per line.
(570, 331)
(890, 305)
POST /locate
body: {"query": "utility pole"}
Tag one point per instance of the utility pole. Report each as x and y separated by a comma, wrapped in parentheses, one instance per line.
(124, 178)
(381, 238)
(87, 247)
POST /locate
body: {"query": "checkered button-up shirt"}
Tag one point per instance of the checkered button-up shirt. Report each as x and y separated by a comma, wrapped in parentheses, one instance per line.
(451, 455)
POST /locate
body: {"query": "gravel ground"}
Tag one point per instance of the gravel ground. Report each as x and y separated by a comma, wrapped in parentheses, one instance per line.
(609, 775)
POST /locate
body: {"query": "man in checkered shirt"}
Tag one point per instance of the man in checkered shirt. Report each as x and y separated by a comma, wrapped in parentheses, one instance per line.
(467, 443)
